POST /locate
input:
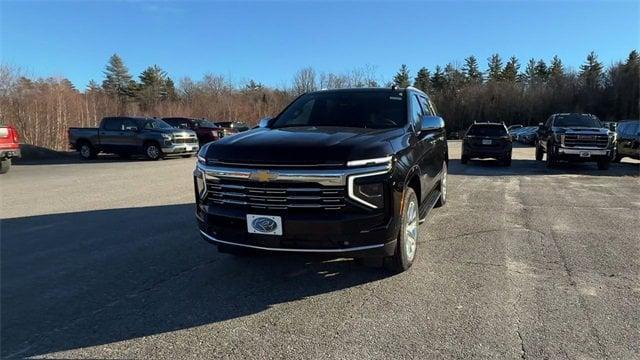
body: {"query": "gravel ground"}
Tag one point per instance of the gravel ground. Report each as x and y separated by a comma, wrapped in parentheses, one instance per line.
(103, 260)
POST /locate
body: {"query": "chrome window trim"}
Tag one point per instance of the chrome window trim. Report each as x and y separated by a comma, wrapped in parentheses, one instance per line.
(357, 248)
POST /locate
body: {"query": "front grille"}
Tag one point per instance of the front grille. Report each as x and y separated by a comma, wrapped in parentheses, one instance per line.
(275, 196)
(187, 140)
(592, 141)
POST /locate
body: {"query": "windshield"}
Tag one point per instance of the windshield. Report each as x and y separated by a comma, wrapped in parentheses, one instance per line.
(487, 130)
(204, 123)
(576, 120)
(156, 124)
(361, 109)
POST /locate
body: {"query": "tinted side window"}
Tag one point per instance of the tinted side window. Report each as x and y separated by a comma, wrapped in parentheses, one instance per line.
(416, 111)
(130, 124)
(113, 124)
(426, 106)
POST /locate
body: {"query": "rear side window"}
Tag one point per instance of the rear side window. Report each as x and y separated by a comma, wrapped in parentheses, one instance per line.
(113, 124)
(487, 130)
(416, 111)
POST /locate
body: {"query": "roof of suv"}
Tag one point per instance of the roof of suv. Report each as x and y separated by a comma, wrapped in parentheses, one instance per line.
(368, 89)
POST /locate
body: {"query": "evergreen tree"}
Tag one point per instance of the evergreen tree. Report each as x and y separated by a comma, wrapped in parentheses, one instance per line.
(494, 68)
(118, 81)
(437, 80)
(472, 70)
(93, 87)
(556, 70)
(170, 87)
(530, 71)
(422, 80)
(153, 86)
(591, 71)
(454, 78)
(401, 78)
(541, 71)
(510, 72)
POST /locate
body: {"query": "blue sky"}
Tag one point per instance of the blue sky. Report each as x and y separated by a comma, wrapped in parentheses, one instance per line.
(269, 41)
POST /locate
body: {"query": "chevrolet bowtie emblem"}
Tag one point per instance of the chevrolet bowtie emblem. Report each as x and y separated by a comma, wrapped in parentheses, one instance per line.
(263, 176)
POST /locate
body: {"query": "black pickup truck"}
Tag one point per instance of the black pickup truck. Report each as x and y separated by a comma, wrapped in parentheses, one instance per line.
(575, 138)
(351, 172)
(126, 136)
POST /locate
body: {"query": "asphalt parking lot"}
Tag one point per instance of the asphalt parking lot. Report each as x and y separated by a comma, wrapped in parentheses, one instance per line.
(103, 260)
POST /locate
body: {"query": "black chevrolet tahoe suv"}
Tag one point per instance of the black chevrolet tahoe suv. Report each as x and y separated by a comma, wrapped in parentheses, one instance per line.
(126, 136)
(351, 172)
(487, 140)
(576, 138)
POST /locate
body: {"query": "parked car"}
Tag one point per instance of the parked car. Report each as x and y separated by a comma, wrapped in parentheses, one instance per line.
(575, 137)
(205, 130)
(351, 172)
(233, 127)
(628, 140)
(487, 140)
(126, 136)
(9, 147)
(528, 135)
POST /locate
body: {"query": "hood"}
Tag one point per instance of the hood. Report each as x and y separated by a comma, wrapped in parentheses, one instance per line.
(308, 145)
(581, 130)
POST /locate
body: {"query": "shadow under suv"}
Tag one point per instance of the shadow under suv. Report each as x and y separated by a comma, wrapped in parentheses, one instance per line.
(350, 172)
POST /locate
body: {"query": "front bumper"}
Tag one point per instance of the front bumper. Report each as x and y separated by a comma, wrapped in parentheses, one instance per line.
(10, 153)
(181, 148)
(358, 235)
(592, 152)
(582, 154)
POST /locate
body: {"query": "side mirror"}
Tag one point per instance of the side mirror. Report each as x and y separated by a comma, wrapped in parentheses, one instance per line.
(264, 122)
(431, 123)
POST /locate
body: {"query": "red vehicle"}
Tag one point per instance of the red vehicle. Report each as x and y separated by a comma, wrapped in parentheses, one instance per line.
(206, 130)
(9, 147)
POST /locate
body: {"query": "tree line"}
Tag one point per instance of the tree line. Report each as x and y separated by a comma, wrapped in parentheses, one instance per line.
(43, 108)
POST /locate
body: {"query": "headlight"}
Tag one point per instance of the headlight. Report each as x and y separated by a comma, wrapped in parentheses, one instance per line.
(367, 190)
(367, 162)
(167, 137)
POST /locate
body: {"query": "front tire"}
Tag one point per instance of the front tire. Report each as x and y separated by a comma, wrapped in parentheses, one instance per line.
(539, 152)
(407, 242)
(443, 186)
(5, 165)
(152, 151)
(551, 157)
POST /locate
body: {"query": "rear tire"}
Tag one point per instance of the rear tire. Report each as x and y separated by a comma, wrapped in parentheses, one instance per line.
(604, 164)
(152, 151)
(5, 165)
(539, 152)
(406, 245)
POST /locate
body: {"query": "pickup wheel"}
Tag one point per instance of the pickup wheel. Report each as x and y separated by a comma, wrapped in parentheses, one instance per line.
(5, 165)
(539, 152)
(551, 157)
(87, 152)
(407, 242)
(152, 151)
